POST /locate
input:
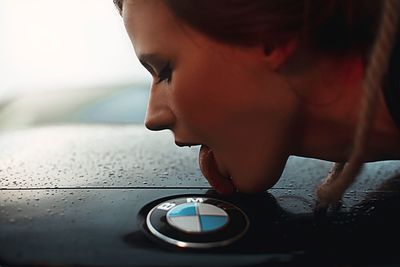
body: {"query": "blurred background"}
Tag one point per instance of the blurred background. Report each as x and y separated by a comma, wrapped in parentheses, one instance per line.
(67, 61)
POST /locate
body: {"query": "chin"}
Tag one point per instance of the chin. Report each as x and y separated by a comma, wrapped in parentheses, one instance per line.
(256, 184)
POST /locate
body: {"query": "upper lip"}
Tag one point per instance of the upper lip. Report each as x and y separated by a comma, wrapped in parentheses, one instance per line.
(182, 144)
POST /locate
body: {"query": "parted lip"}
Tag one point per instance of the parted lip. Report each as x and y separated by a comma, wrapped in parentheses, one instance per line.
(182, 144)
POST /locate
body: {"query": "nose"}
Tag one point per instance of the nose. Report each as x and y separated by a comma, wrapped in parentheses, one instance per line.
(159, 115)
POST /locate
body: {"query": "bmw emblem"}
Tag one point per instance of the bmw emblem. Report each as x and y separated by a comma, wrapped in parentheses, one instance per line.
(197, 222)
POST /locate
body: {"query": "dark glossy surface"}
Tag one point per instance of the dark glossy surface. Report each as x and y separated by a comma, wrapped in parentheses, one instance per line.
(76, 196)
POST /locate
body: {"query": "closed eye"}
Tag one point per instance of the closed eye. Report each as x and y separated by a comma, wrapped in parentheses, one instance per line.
(148, 68)
(165, 73)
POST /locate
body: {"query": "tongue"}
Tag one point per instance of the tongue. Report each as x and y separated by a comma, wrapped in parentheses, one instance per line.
(208, 166)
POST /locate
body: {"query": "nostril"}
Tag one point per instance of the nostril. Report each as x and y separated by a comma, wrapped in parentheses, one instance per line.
(153, 127)
(160, 120)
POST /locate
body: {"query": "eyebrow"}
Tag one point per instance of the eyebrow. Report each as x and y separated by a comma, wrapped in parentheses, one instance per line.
(119, 4)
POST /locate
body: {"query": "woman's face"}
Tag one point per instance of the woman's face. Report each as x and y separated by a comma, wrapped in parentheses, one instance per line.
(226, 98)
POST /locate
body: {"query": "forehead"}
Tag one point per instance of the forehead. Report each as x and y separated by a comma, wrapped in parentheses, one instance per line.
(149, 22)
(153, 29)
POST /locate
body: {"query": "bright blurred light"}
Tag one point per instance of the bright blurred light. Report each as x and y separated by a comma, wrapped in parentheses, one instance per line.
(62, 44)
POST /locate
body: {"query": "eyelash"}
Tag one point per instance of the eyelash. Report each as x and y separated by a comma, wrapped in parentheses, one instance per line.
(165, 74)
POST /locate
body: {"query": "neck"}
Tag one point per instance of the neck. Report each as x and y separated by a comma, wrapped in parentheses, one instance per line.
(330, 97)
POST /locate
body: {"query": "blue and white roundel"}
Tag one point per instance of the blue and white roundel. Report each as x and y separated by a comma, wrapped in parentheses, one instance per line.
(196, 221)
(197, 217)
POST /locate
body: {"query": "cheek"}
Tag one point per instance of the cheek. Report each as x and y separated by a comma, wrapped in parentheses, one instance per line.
(227, 106)
(199, 98)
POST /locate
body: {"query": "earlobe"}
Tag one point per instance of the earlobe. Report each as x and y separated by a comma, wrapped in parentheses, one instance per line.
(277, 56)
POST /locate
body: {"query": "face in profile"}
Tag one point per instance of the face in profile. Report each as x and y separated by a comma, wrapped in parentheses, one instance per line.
(226, 98)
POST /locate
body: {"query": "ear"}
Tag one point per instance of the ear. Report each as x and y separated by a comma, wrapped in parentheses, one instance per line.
(278, 55)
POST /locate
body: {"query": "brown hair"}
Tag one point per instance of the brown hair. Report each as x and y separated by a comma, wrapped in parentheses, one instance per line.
(329, 25)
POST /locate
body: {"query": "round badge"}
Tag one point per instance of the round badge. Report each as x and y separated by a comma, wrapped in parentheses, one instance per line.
(197, 222)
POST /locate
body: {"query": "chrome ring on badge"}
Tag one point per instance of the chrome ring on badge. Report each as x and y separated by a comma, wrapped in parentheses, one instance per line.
(197, 222)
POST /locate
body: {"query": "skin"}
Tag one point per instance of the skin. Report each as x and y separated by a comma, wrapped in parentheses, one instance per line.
(249, 110)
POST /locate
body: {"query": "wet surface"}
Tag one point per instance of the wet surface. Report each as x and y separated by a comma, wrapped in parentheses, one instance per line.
(97, 156)
(77, 195)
